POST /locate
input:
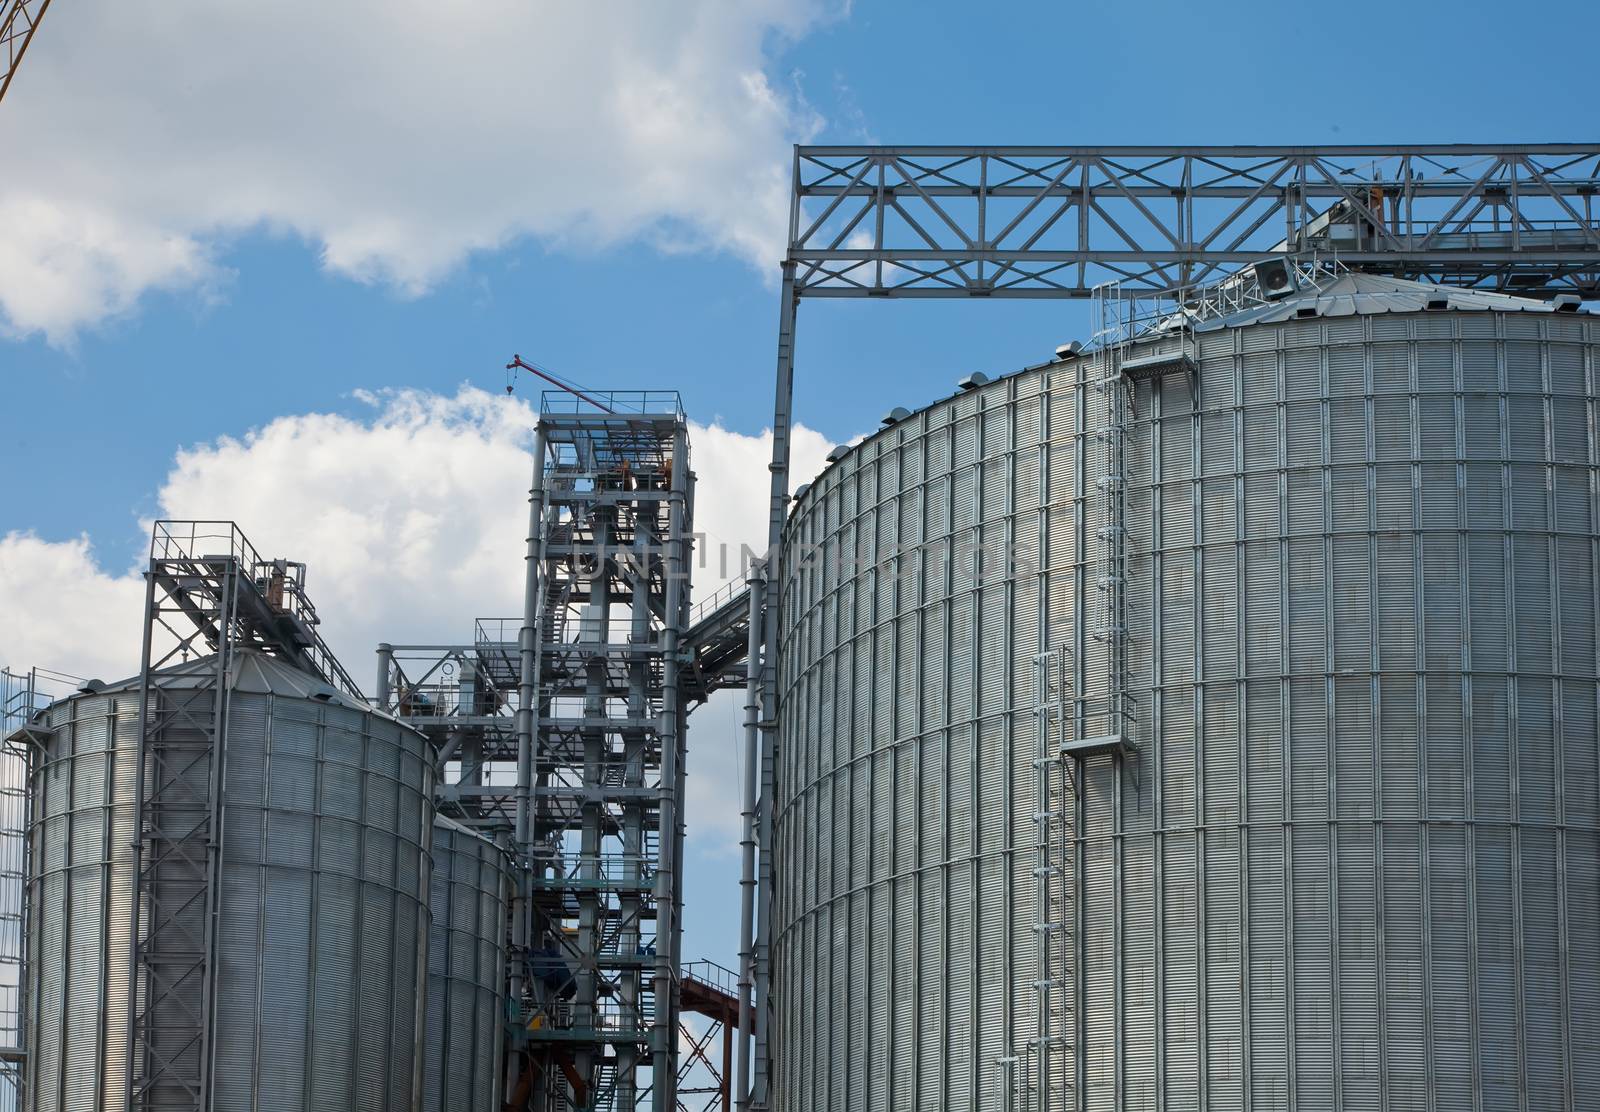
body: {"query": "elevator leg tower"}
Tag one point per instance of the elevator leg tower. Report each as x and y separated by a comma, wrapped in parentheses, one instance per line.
(601, 728)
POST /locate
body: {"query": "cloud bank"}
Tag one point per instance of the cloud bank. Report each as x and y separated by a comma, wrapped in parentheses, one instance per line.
(412, 519)
(395, 136)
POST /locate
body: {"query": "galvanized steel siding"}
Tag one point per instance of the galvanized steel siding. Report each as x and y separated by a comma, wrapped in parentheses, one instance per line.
(466, 972)
(322, 924)
(1354, 863)
(79, 908)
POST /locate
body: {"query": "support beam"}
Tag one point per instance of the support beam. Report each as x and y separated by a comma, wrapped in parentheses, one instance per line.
(778, 515)
(1032, 222)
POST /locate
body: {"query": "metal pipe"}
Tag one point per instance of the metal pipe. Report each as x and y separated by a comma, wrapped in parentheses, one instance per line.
(747, 840)
(669, 876)
(452, 742)
(385, 666)
(527, 686)
(630, 981)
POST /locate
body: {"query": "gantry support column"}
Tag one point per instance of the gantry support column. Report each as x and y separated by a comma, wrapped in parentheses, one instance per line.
(778, 515)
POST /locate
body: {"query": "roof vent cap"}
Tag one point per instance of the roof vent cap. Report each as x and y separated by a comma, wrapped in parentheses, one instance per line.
(1437, 301)
(895, 416)
(1566, 302)
(973, 381)
(1069, 349)
(838, 452)
(801, 491)
(1276, 278)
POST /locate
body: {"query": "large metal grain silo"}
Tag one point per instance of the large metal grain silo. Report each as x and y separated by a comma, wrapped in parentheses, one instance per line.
(468, 896)
(320, 930)
(1313, 619)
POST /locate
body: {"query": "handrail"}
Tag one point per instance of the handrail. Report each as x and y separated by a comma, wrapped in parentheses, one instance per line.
(709, 973)
(721, 597)
(619, 403)
(172, 539)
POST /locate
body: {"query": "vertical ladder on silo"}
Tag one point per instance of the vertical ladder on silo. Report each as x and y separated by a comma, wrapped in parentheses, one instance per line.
(1112, 338)
(1047, 1071)
(1078, 720)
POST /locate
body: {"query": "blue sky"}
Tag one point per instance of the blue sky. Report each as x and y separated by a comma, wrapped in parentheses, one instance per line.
(108, 412)
(95, 413)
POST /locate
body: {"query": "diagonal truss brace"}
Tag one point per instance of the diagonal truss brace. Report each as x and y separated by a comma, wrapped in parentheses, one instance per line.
(1058, 221)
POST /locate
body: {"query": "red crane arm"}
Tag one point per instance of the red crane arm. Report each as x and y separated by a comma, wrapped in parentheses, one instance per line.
(19, 19)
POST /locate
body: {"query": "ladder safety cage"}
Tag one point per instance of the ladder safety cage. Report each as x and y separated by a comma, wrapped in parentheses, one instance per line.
(1047, 1070)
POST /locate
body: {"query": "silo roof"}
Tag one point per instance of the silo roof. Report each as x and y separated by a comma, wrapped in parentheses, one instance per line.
(251, 671)
(1355, 293)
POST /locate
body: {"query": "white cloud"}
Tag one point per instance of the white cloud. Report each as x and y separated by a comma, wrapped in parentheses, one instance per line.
(65, 610)
(412, 520)
(733, 490)
(396, 136)
(731, 511)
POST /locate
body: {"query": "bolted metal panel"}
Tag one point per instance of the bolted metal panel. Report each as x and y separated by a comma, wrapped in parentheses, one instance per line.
(1352, 861)
(468, 898)
(323, 918)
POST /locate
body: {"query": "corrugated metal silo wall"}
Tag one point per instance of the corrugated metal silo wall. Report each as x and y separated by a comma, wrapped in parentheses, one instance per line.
(79, 906)
(466, 972)
(322, 923)
(1355, 859)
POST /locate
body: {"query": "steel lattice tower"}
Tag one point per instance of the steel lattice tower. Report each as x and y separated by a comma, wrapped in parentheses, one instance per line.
(600, 728)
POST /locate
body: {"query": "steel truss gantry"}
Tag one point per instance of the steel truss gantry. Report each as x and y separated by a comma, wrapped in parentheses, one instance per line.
(1058, 222)
(600, 753)
(208, 594)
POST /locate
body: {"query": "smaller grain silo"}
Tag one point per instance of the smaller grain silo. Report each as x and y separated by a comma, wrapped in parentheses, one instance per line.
(309, 998)
(466, 971)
